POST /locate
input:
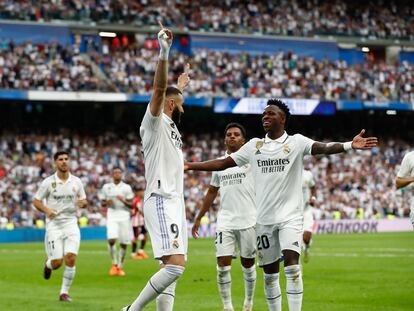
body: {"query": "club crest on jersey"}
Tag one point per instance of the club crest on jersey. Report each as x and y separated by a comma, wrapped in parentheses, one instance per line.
(259, 145)
(172, 125)
(286, 149)
(175, 244)
(53, 185)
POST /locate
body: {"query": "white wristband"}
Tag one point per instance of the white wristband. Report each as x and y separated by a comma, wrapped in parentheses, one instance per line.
(164, 54)
(347, 146)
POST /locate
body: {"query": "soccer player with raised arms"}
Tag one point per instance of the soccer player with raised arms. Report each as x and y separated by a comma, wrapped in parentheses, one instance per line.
(117, 196)
(235, 220)
(58, 197)
(164, 209)
(277, 164)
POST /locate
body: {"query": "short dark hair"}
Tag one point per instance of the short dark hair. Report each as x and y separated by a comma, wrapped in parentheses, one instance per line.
(117, 168)
(238, 125)
(172, 90)
(282, 106)
(59, 153)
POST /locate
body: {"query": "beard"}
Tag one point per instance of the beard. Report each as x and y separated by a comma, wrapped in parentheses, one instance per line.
(176, 116)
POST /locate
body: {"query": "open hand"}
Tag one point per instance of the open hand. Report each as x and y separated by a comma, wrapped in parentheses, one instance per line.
(360, 142)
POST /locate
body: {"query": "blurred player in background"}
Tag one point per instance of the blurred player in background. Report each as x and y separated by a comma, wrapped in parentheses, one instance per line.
(405, 177)
(277, 166)
(309, 200)
(235, 220)
(138, 226)
(58, 197)
(117, 196)
(164, 209)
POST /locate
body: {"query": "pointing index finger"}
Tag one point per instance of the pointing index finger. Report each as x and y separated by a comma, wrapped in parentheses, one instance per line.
(160, 24)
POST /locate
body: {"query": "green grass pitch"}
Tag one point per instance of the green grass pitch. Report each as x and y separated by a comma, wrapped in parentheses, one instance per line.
(346, 272)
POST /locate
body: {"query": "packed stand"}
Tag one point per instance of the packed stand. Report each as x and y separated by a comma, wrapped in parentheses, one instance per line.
(283, 74)
(345, 182)
(46, 67)
(374, 19)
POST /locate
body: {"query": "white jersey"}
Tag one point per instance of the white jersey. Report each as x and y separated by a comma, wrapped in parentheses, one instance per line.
(307, 184)
(407, 169)
(237, 206)
(61, 196)
(277, 167)
(117, 211)
(163, 156)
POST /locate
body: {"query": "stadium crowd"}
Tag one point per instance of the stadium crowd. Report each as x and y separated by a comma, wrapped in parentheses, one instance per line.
(374, 19)
(130, 69)
(347, 184)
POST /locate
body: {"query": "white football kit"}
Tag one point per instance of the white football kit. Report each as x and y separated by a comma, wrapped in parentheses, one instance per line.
(407, 170)
(118, 223)
(307, 183)
(164, 210)
(237, 215)
(277, 167)
(62, 232)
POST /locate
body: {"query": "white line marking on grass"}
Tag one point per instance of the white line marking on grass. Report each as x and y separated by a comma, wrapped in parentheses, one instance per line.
(376, 255)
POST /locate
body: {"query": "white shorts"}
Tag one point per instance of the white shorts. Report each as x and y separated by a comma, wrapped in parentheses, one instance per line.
(120, 230)
(244, 239)
(60, 241)
(272, 239)
(166, 225)
(308, 220)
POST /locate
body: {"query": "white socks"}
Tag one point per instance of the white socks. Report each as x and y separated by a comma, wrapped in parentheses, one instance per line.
(112, 253)
(272, 291)
(121, 257)
(165, 300)
(156, 285)
(224, 286)
(294, 287)
(68, 275)
(249, 284)
(49, 264)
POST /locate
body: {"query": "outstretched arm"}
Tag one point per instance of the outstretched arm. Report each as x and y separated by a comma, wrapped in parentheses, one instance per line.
(212, 165)
(401, 182)
(359, 142)
(165, 38)
(207, 202)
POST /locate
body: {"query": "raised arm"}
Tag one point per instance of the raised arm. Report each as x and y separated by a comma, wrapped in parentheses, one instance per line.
(359, 142)
(184, 78)
(207, 202)
(212, 165)
(165, 38)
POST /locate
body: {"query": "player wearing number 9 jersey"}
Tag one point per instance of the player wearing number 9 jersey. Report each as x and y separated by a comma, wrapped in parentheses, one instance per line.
(164, 210)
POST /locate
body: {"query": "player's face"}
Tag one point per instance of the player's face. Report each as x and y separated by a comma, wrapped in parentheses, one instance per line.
(234, 139)
(140, 193)
(117, 175)
(272, 118)
(62, 163)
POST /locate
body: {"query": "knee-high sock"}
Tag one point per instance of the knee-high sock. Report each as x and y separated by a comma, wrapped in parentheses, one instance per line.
(272, 291)
(249, 284)
(294, 287)
(224, 286)
(165, 300)
(156, 285)
(121, 257)
(112, 253)
(68, 275)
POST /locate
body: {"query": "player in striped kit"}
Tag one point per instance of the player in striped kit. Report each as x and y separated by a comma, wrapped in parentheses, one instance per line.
(138, 226)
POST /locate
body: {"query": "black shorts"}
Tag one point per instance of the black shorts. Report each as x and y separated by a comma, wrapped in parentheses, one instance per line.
(139, 230)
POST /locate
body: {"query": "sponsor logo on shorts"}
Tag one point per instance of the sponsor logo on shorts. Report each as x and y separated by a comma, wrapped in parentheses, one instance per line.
(175, 244)
(296, 243)
(260, 255)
